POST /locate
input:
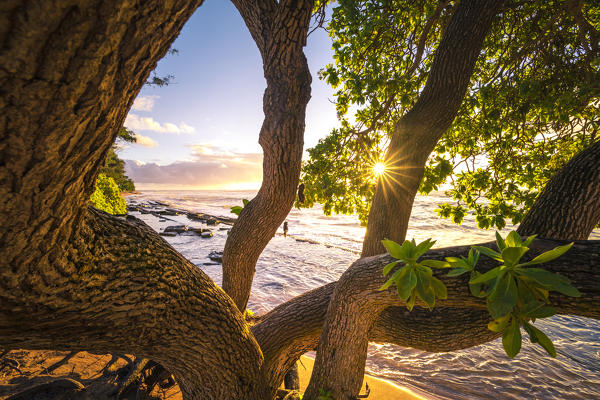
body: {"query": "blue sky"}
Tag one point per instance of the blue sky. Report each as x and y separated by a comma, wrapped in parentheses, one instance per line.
(202, 130)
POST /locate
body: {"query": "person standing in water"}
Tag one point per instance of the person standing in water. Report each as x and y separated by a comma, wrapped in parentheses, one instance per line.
(285, 229)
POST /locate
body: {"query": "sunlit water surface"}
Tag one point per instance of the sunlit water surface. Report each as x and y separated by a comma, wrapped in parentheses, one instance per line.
(317, 251)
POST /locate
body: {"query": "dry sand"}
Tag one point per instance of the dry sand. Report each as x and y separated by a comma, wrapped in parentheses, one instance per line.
(380, 389)
(87, 369)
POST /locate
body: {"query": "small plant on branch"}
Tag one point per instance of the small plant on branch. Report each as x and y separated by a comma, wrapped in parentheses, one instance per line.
(516, 294)
(238, 209)
(414, 279)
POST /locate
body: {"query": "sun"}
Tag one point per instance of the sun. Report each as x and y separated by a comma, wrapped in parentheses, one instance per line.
(379, 168)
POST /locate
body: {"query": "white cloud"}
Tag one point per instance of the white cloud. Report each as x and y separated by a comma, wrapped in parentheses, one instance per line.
(144, 103)
(137, 123)
(145, 141)
(211, 166)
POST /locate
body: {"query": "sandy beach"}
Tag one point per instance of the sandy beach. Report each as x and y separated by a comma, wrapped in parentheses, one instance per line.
(87, 368)
(380, 388)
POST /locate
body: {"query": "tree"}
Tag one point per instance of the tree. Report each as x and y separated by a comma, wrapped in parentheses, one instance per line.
(114, 167)
(530, 103)
(73, 278)
(280, 31)
(112, 179)
(107, 196)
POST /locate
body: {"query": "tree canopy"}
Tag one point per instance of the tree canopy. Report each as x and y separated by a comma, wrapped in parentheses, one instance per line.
(532, 104)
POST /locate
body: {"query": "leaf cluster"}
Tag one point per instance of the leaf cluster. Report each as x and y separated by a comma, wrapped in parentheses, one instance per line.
(107, 196)
(516, 294)
(533, 103)
(414, 280)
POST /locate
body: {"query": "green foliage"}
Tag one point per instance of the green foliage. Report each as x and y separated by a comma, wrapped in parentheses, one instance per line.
(414, 279)
(238, 209)
(114, 167)
(107, 196)
(516, 295)
(533, 103)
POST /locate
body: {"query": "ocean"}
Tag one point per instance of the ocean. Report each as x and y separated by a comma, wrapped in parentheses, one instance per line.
(317, 251)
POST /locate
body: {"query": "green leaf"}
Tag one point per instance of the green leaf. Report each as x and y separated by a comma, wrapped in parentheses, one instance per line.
(473, 258)
(498, 325)
(388, 268)
(488, 252)
(504, 296)
(393, 249)
(245, 202)
(439, 288)
(529, 240)
(537, 309)
(537, 336)
(424, 289)
(411, 301)
(511, 339)
(476, 288)
(435, 264)
(406, 283)
(551, 280)
(408, 249)
(500, 241)
(491, 274)
(513, 239)
(236, 210)
(457, 272)
(394, 278)
(423, 247)
(550, 255)
(512, 255)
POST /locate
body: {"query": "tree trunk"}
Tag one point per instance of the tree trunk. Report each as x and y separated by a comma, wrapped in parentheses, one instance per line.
(569, 206)
(417, 132)
(279, 30)
(74, 279)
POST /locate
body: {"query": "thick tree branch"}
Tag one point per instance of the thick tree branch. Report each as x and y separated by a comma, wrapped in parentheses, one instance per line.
(280, 33)
(128, 291)
(75, 279)
(569, 206)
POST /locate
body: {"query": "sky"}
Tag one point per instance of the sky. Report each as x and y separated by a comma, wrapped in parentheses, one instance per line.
(201, 131)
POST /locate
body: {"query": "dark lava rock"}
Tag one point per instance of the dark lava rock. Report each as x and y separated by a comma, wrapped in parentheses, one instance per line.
(176, 228)
(196, 216)
(170, 234)
(216, 256)
(198, 231)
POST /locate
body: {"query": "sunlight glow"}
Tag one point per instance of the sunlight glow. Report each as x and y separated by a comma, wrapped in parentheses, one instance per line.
(379, 168)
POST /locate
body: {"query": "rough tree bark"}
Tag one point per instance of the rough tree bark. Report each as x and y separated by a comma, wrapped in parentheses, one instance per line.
(574, 188)
(279, 30)
(75, 279)
(417, 132)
